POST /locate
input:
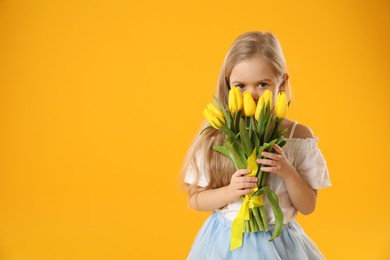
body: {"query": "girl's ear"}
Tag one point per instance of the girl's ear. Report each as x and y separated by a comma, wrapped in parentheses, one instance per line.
(282, 85)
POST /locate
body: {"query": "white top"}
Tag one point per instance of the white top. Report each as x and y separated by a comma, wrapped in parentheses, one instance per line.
(307, 159)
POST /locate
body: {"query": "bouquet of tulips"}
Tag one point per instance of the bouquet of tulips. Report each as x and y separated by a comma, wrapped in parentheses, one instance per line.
(250, 129)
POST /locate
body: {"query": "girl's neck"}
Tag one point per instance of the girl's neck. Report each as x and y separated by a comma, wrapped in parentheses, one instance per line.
(287, 123)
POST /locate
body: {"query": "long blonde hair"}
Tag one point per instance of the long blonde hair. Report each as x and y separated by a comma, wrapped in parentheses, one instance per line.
(217, 167)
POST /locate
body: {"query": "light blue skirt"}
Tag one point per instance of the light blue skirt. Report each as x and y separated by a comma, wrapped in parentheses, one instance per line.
(213, 242)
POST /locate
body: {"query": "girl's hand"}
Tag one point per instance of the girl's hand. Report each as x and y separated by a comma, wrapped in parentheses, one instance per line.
(278, 162)
(240, 184)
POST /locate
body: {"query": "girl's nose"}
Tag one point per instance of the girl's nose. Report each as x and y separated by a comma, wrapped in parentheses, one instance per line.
(254, 93)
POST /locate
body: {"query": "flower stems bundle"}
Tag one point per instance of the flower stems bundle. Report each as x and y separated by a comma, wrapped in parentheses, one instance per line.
(250, 129)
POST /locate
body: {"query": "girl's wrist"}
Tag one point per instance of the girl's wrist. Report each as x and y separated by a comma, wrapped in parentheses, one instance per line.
(229, 194)
(232, 197)
(290, 176)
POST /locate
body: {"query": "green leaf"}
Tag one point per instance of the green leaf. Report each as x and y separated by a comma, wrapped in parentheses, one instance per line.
(278, 213)
(265, 114)
(260, 121)
(281, 132)
(245, 140)
(282, 143)
(222, 123)
(227, 115)
(267, 129)
(262, 148)
(239, 156)
(230, 134)
(251, 125)
(204, 129)
(225, 151)
(237, 122)
(272, 128)
(271, 145)
(256, 141)
(269, 108)
(275, 129)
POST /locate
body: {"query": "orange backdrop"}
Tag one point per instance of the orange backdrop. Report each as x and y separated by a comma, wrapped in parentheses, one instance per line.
(100, 100)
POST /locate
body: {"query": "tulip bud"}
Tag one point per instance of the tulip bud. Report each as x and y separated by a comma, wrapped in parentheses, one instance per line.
(268, 97)
(281, 105)
(235, 100)
(264, 99)
(259, 106)
(249, 104)
(212, 114)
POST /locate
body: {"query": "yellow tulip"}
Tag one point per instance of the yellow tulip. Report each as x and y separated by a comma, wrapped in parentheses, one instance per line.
(268, 97)
(281, 105)
(235, 100)
(212, 113)
(264, 99)
(259, 106)
(249, 104)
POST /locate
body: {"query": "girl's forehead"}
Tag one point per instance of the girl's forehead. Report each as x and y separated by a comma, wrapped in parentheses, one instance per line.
(252, 69)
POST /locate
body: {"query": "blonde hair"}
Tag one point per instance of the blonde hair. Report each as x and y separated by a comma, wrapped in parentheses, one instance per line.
(220, 168)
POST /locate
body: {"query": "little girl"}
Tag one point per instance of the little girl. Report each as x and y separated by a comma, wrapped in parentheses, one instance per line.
(255, 62)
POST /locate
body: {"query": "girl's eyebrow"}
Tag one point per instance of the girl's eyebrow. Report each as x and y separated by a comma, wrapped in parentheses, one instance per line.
(238, 81)
(266, 80)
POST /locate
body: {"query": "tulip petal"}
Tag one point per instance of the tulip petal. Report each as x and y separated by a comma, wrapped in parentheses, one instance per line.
(249, 104)
(281, 105)
(213, 115)
(224, 114)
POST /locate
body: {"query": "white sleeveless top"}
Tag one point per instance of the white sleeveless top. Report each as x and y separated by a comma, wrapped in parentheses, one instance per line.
(307, 159)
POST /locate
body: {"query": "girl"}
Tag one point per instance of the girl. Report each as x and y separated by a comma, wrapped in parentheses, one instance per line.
(255, 62)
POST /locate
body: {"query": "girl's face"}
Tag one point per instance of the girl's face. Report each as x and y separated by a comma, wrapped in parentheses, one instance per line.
(256, 75)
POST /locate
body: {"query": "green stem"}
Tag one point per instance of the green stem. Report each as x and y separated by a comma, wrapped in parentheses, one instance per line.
(259, 177)
(263, 217)
(262, 182)
(257, 218)
(251, 224)
(246, 226)
(255, 224)
(275, 129)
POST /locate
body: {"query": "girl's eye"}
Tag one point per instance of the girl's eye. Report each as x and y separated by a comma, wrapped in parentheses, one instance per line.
(262, 85)
(240, 86)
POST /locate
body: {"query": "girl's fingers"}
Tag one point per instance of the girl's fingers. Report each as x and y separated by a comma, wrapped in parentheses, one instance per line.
(247, 185)
(266, 162)
(248, 179)
(242, 172)
(272, 155)
(268, 169)
(279, 149)
(240, 180)
(245, 192)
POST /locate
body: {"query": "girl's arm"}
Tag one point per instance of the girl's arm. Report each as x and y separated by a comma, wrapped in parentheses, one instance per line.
(302, 196)
(212, 199)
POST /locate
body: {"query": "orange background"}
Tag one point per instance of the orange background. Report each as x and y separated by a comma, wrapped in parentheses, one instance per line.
(100, 100)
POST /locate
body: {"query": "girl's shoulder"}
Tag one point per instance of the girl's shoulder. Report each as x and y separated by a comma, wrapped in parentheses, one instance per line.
(296, 129)
(301, 138)
(303, 131)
